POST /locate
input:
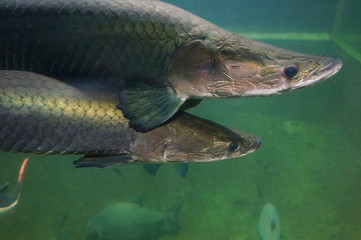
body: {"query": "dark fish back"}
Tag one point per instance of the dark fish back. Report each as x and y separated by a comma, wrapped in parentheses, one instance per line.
(130, 39)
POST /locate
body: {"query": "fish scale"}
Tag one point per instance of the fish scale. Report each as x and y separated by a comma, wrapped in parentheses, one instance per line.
(140, 35)
(43, 105)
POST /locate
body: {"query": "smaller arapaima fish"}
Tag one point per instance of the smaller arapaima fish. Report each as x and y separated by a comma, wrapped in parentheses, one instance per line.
(42, 115)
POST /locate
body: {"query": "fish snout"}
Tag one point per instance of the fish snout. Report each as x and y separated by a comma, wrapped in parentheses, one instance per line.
(327, 69)
(257, 142)
(250, 142)
(330, 68)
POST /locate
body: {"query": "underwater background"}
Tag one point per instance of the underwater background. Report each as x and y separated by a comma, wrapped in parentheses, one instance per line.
(308, 167)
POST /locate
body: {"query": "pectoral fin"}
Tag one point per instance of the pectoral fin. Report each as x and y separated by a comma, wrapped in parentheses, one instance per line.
(148, 105)
(100, 161)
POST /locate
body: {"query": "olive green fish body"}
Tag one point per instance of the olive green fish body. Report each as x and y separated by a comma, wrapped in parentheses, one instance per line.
(43, 115)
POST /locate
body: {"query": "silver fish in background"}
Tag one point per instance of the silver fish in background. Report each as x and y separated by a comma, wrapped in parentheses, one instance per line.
(269, 226)
(130, 221)
(9, 200)
(42, 115)
(161, 54)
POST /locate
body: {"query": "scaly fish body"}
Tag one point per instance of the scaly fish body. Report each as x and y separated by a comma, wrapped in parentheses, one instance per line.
(92, 38)
(42, 115)
(163, 54)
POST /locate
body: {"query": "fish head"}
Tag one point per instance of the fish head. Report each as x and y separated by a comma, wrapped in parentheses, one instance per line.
(250, 68)
(187, 138)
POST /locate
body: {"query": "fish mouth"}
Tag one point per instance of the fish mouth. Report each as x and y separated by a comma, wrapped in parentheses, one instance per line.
(323, 72)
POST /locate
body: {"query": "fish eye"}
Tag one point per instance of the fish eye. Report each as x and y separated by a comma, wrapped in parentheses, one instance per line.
(290, 71)
(233, 146)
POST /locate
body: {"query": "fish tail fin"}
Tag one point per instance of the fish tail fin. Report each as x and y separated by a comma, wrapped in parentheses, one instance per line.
(22, 169)
(173, 219)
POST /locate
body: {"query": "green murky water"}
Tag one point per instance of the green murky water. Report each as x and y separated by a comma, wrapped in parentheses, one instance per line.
(309, 165)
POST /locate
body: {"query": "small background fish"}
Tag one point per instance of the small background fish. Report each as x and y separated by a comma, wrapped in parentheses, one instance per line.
(309, 162)
(269, 225)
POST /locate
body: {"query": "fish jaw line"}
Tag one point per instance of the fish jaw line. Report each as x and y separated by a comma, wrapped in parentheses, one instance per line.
(263, 92)
(319, 74)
